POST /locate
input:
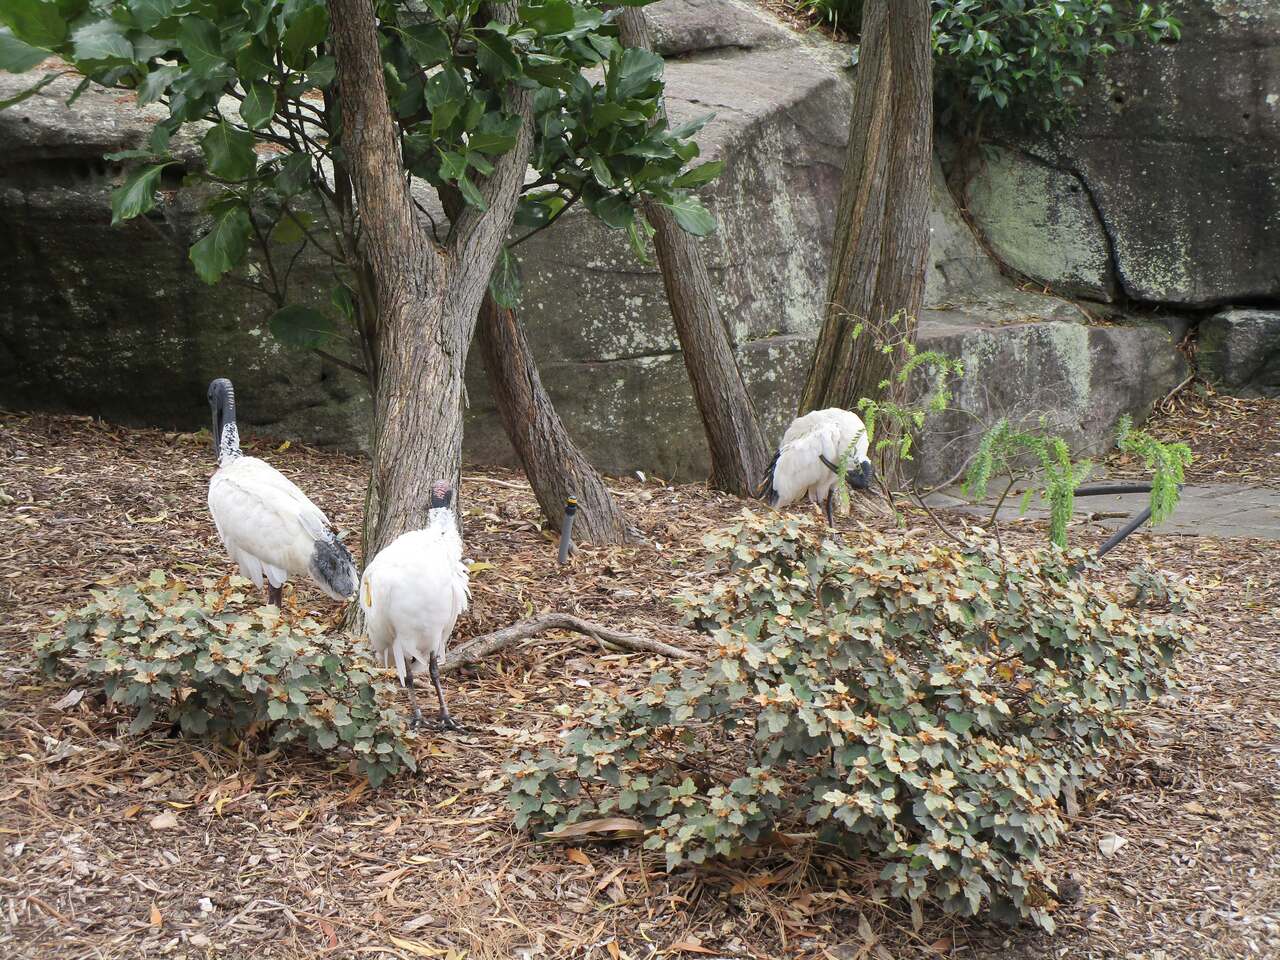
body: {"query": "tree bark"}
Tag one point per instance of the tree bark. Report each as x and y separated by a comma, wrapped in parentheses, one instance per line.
(738, 452)
(882, 235)
(425, 297)
(553, 463)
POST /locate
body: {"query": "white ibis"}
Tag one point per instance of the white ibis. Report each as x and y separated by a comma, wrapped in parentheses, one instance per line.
(412, 594)
(269, 527)
(809, 459)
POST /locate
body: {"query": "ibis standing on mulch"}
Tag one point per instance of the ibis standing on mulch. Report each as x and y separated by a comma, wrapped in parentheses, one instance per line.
(267, 524)
(412, 594)
(810, 456)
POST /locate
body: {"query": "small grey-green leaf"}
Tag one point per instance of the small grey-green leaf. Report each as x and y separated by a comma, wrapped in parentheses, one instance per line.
(258, 106)
(224, 246)
(17, 56)
(137, 195)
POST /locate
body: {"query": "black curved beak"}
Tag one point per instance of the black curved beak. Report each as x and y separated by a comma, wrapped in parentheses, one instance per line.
(861, 478)
(222, 404)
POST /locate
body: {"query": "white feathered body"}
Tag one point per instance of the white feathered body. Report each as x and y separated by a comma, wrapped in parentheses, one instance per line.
(413, 593)
(273, 531)
(798, 471)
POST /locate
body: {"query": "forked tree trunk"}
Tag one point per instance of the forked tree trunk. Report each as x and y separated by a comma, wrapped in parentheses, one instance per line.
(425, 296)
(553, 463)
(738, 452)
(882, 235)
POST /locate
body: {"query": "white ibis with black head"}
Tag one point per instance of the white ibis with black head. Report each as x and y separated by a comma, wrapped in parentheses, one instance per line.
(269, 527)
(412, 594)
(808, 460)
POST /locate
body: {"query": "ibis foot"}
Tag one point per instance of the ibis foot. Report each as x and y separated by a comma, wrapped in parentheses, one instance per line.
(273, 596)
(448, 723)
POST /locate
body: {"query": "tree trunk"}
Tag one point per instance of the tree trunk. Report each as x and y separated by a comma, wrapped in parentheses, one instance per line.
(882, 234)
(738, 452)
(554, 465)
(425, 297)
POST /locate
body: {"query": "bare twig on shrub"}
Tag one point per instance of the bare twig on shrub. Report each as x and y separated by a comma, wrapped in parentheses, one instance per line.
(480, 647)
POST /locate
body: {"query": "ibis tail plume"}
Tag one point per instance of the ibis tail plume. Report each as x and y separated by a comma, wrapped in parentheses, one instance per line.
(809, 459)
(412, 594)
(269, 527)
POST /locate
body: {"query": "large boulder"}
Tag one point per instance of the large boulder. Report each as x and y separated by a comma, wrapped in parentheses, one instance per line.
(1240, 351)
(1177, 160)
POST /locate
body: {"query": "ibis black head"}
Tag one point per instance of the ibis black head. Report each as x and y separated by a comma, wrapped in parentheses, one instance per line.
(222, 402)
(861, 478)
(441, 494)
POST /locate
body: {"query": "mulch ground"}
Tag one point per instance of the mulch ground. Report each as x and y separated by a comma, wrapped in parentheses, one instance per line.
(286, 855)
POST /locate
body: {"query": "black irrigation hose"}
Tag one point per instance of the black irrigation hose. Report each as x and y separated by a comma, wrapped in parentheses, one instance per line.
(1134, 522)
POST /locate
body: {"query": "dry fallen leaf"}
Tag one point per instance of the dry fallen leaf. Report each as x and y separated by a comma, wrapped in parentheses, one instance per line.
(577, 856)
(417, 948)
(164, 821)
(156, 918)
(688, 945)
(1110, 844)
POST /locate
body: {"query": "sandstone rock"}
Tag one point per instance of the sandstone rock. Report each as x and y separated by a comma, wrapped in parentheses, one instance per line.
(1040, 221)
(1179, 148)
(694, 26)
(1240, 351)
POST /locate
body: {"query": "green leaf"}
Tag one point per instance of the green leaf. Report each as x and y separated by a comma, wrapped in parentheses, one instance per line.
(495, 134)
(102, 41)
(495, 57)
(305, 30)
(34, 21)
(636, 70)
(549, 19)
(156, 83)
(321, 73)
(292, 227)
(611, 208)
(258, 106)
(446, 96)
(294, 174)
(427, 44)
(703, 173)
(224, 246)
(229, 152)
(201, 44)
(277, 710)
(30, 91)
(504, 284)
(17, 56)
(300, 327)
(148, 14)
(471, 193)
(138, 193)
(692, 216)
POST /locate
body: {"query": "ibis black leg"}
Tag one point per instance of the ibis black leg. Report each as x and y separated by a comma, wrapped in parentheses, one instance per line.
(446, 721)
(413, 697)
(273, 595)
(831, 520)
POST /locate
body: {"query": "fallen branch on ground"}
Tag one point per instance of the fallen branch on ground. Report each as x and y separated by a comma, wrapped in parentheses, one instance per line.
(480, 647)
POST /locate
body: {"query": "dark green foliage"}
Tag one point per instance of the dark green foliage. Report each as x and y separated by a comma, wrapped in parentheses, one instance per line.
(1022, 58)
(447, 66)
(911, 703)
(185, 656)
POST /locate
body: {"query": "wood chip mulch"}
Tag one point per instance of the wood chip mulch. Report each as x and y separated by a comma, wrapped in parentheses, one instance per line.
(115, 846)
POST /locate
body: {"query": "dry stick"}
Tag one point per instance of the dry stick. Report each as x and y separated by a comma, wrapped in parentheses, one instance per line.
(477, 649)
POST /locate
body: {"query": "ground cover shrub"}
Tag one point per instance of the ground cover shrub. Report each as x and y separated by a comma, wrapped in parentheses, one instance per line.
(921, 705)
(200, 659)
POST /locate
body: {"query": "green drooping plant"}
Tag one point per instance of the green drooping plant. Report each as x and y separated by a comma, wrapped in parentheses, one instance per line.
(197, 658)
(1167, 463)
(913, 703)
(1021, 58)
(1039, 456)
(1045, 460)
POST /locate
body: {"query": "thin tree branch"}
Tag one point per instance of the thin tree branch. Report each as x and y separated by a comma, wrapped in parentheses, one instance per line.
(483, 646)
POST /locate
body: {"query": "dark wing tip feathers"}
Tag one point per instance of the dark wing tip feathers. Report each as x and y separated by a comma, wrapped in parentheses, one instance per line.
(765, 490)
